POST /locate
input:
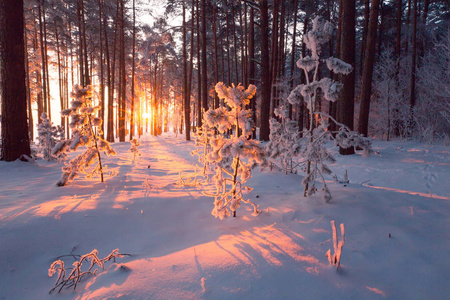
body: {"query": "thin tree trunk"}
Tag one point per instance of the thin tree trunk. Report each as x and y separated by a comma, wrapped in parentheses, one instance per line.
(101, 62)
(133, 63)
(251, 66)
(185, 79)
(204, 62)
(412, 93)
(265, 72)
(398, 31)
(294, 35)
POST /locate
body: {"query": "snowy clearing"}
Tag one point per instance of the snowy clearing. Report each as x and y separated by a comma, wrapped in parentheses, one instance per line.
(396, 212)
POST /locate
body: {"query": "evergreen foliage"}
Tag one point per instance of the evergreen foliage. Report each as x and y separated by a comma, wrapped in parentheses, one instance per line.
(48, 137)
(86, 131)
(234, 157)
(314, 152)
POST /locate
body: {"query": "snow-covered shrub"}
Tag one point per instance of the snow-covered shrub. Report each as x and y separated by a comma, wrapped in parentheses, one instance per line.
(335, 259)
(283, 149)
(314, 151)
(76, 274)
(134, 144)
(233, 157)
(86, 131)
(48, 136)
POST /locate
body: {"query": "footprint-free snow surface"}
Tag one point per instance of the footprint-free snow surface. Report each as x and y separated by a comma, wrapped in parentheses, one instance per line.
(396, 211)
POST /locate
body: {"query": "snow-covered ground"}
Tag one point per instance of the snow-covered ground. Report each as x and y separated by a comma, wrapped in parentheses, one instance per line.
(396, 212)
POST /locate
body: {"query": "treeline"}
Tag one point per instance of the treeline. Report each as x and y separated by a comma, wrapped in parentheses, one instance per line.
(149, 76)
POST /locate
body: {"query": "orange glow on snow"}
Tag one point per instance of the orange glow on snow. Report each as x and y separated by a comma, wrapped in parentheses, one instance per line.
(407, 192)
(377, 291)
(243, 254)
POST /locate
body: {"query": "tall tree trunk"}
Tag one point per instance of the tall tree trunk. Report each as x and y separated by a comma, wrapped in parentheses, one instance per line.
(87, 78)
(204, 62)
(366, 86)
(216, 55)
(364, 34)
(294, 36)
(43, 60)
(47, 73)
(28, 82)
(123, 75)
(380, 28)
(15, 140)
(347, 98)
(186, 101)
(398, 31)
(101, 62)
(301, 106)
(133, 63)
(251, 65)
(199, 73)
(109, 81)
(412, 92)
(274, 56)
(265, 72)
(408, 18)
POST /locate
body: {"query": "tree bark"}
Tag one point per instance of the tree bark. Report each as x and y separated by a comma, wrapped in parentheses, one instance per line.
(15, 140)
(347, 98)
(368, 70)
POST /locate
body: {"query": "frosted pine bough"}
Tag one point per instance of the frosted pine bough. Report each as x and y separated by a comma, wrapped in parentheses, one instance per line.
(86, 131)
(48, 137)
(233, 158)
(314, 152)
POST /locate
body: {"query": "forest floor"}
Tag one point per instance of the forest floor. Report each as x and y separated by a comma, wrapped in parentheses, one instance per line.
(396, 211)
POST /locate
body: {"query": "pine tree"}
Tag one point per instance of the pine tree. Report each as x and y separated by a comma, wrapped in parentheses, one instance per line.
(233, 157)
(48, 136)
(314, 152)
(86, 131)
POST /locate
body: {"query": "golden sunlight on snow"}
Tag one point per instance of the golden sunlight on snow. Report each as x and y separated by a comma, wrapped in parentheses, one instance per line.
(242, 255)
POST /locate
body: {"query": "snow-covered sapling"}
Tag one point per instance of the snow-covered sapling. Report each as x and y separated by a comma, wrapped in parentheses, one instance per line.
(335, 259)
(233, 157)
(134, 144)
(77, 273)
(48, 136)
(315, 153)
(202, 147)
(283, 149)
(86, 131)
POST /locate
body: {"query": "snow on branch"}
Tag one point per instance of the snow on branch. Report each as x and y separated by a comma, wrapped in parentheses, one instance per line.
(232, 158)
(78, 272)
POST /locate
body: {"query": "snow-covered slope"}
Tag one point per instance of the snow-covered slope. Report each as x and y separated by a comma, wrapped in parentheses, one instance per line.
(396, 212)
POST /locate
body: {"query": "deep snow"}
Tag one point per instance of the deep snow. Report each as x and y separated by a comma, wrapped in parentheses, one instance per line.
(179, 251)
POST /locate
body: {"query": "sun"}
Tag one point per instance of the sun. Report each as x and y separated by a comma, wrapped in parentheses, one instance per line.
(146, 115)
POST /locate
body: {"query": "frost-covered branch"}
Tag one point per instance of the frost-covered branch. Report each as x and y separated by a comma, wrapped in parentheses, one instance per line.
(77, 273)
